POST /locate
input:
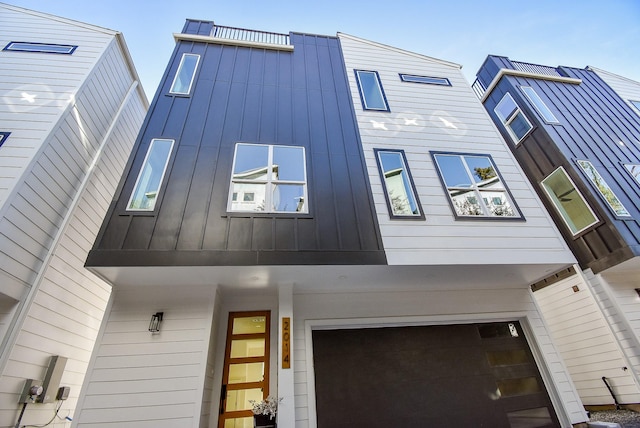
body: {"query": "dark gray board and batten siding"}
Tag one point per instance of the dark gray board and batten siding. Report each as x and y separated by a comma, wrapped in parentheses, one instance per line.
(254, 95)
(593, 120)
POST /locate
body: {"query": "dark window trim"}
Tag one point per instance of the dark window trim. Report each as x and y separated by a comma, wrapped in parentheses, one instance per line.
(512, 200)
(414, 78)
(362, 99)
(411, 183)
(3, 137)
(71, 48)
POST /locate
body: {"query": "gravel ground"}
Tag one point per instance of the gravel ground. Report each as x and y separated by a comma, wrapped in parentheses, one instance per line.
(626, 418)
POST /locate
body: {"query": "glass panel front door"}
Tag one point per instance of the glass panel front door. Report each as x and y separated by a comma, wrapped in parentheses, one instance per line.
(246, 368)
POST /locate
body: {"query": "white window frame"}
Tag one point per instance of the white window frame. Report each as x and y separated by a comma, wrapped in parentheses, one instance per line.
(52, 48)
(601, 185)
(179, 71)
(543, 110)
(560, 210)
(269, 182)
(635, 104)
(142, 169)
(634, 170)
(378, 85)
(506, 121)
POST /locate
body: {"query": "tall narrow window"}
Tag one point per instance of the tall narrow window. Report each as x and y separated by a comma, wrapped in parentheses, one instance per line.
(515, 122)
(474, 186)
(371, 92)
(40, 47)
(184, 76)
(402, 199)
(636, 104)
(268, 178)
(603, 188)
(568, 201)
(145, 192)
(634, 170)
(539, 105)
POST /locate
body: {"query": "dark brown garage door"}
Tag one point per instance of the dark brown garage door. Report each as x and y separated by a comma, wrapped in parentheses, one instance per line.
(468, 375)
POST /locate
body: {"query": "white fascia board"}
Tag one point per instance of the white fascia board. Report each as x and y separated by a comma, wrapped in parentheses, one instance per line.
(518, 73)
(232, 42)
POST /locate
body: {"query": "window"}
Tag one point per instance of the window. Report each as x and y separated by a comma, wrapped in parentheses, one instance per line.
(400, 192)
(40, 47)
(145, 193)
(603, 188)
(568, 201)
(3, 137)
(474, 186)
(184, 76)
(634, 170)
(512, 118)
(424, 79)
(268, 178)
(539, 105)
(636, 104)
(371, 92)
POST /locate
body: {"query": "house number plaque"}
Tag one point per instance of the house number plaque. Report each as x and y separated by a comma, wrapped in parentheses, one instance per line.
(286, 343)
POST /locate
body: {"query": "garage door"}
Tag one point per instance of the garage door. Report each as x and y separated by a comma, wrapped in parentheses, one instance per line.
(468, 375)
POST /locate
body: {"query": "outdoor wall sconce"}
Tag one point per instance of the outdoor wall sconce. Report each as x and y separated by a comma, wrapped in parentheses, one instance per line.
(156, 319)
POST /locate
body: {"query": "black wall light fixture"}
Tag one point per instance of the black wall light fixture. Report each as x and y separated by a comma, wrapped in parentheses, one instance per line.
(156, 319)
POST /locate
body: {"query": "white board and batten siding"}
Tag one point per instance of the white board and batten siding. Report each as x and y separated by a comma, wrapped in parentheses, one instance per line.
(428, 307)
(586, 342)
(426, 118)
(139, 379)
(68, 156)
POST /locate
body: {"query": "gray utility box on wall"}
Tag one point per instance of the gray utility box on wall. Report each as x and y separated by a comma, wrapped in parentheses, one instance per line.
(52, 379)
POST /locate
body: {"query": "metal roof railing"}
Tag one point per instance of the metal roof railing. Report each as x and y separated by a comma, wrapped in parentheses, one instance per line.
(252, 36)
(535, 68)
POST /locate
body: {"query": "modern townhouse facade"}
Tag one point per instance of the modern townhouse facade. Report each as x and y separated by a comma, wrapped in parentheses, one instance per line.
(576, 133)
(71, 107)
(331, 221)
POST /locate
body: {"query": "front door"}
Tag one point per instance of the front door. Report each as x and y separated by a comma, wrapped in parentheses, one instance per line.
(246, 368)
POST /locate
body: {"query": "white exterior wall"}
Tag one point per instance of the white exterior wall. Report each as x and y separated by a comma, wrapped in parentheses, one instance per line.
(67, 153)
(425, 308)
(586, 342)
(627, 89)
(427, 117)
(620, 305)
(139, 379)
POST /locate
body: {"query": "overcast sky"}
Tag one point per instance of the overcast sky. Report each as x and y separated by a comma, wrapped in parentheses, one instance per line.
(600, 33)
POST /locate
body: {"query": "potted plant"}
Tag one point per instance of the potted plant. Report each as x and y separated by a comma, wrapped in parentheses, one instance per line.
(264, 412)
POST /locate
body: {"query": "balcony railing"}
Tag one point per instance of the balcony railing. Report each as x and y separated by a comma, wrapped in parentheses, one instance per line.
(251, 36)
(535, 68)
(478, 89)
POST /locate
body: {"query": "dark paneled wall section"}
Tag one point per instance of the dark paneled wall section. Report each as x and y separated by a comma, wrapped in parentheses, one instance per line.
(593, 120)
(253, 95)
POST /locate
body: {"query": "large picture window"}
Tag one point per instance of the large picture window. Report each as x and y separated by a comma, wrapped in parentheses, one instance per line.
(568, 201)
(371, 91)
(514, 121)
(268, 178)
(402, 199)
(184, 76)
(145, 192)
(603, 188)
(474, 186)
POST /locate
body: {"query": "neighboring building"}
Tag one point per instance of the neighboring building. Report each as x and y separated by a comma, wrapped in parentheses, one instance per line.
(71, 107)
(331, 221)
(576, 133)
